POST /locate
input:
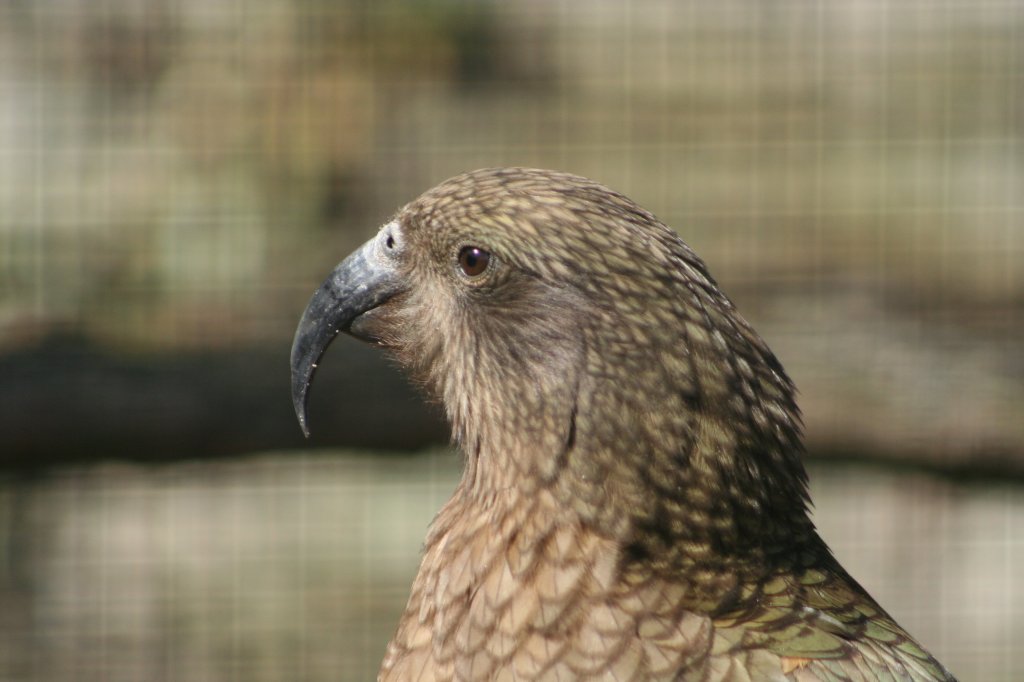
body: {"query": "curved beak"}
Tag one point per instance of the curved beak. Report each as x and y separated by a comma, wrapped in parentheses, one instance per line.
(360, 283)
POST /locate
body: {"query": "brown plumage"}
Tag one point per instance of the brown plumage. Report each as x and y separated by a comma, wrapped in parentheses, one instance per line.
(634, 504)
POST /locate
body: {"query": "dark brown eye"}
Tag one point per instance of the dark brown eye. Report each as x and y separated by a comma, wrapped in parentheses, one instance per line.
(473, 260)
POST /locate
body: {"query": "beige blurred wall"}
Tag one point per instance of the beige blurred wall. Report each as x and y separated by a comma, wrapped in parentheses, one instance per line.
(296, 566)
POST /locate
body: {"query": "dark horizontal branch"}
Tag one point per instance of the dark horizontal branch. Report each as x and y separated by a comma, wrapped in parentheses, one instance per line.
(67, 402)
(982, 467)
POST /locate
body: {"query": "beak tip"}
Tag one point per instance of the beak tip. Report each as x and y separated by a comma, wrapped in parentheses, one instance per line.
(303, 425)
(299, 402)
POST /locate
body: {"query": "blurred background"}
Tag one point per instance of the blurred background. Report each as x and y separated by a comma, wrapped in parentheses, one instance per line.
(177, 176)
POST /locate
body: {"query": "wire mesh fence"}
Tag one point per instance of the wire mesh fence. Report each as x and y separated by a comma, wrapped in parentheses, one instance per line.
(176, 176)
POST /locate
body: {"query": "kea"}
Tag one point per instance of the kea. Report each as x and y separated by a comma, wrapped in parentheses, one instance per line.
(633, 504)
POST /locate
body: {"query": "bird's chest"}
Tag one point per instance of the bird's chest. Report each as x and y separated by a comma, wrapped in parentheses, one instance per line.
(517, 595)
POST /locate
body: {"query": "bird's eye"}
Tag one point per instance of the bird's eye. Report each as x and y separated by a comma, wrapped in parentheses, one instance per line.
(473, 260)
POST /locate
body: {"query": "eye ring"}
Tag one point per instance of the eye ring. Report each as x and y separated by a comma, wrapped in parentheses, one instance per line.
(474, 261)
